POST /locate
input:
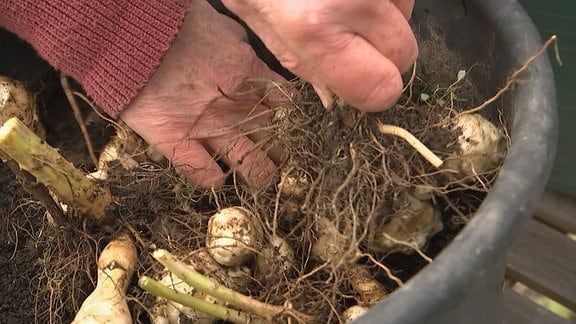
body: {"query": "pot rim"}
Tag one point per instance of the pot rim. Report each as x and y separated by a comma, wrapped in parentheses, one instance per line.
(478, 251)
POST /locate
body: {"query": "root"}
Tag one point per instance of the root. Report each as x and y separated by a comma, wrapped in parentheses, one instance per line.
(386, 269)
(514, 76)
(78, 117)
(413, 141)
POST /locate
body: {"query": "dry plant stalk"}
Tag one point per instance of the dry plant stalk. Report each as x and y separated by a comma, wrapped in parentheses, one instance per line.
(35, 156)
(78, 116)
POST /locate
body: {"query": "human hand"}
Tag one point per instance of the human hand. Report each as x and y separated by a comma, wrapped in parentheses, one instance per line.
(200, 105)
(354, 49)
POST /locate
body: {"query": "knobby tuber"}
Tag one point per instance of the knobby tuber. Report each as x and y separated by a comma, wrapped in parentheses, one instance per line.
(16, 101)
(274, 260)
(233, 236)
(481, 146)
(107, 303)
(353, 312)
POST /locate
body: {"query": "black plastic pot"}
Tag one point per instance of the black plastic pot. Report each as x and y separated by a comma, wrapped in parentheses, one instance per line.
(464, 283)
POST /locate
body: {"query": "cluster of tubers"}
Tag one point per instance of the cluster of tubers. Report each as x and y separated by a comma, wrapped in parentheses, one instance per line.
(233, 237)
(236, 247)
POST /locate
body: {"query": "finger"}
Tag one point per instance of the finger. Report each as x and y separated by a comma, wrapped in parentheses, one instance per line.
(326, 96)
(392, 36)
(361, 76)
(405, 7)
(244, 157)
(247, 119)
(193, 162)
(272, 150)
(257, 129)
(265, 142)
(274, 89)
(385, 27)
(277, 93)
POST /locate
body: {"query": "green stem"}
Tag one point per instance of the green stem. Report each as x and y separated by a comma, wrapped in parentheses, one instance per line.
(203, 284)
(198, 304)
(45, 163)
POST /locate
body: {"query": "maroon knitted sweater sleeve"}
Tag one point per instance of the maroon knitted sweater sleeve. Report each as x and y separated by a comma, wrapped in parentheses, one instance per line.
(110, 46)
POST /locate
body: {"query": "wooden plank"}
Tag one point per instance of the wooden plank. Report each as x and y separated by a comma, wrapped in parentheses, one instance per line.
(518, 309)
(544, 260)
(557, 211)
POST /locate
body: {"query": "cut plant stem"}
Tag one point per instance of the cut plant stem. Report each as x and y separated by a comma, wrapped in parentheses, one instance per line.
(413, 141)
(215, 310)
(44, 162)
(203, 284)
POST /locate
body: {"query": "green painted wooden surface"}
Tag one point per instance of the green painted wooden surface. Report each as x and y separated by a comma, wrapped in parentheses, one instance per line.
(558, 17)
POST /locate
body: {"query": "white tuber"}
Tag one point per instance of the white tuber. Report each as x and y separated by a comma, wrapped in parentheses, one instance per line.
(233, 236)
(107, 303)
(353, 313)
(330, 244)
(280, 119)
(481, 146)
(126, 148)
(284, 252)
(16, 101)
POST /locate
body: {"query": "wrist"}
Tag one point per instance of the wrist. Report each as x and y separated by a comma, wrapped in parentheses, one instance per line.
(110, 47)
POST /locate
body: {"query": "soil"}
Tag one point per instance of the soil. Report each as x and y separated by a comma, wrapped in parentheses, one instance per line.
(26, 238)
(46, 272)
(19, 267)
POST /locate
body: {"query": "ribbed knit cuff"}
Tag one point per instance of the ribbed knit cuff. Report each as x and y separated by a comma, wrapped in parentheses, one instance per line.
(111, 47)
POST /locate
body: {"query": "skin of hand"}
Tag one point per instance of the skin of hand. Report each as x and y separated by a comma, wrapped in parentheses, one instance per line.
(201, 105)
(353, 49)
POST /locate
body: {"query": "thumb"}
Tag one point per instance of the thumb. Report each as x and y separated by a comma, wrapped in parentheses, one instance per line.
(326, 96)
